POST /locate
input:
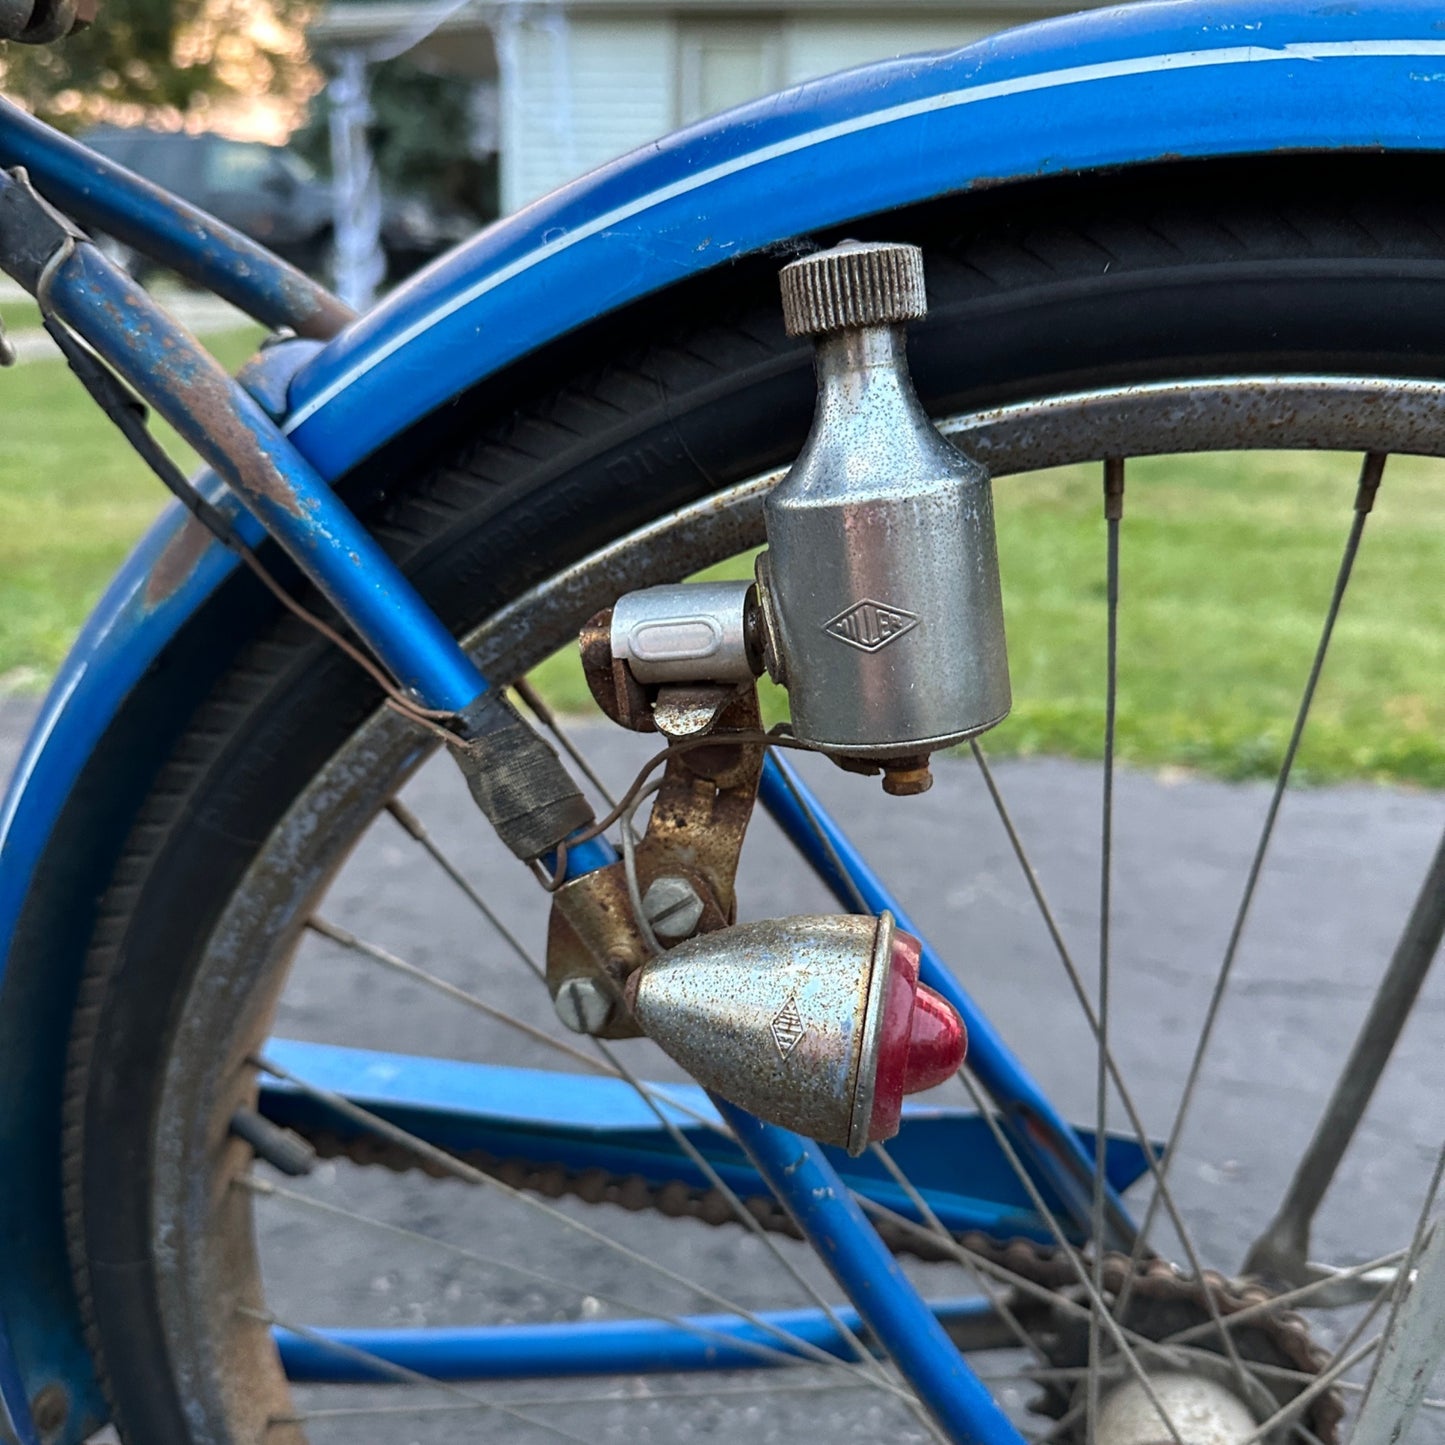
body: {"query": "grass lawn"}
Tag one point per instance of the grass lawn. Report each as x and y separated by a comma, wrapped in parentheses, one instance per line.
(19, 314)
(1228, 563)
(73, 501)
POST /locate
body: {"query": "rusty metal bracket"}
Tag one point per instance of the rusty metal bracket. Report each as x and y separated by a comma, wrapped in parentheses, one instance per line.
(695, 831)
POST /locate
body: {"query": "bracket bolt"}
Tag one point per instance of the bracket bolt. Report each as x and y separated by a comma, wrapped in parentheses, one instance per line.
(906, 777)
(584, 1005)
(672, 906)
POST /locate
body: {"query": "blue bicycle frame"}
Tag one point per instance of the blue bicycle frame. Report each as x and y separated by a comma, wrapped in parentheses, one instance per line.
(1196, 80)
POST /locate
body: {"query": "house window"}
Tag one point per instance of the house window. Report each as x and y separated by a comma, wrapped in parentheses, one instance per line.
(722, 63)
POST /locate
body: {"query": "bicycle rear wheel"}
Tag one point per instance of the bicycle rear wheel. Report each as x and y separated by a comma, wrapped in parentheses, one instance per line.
(1148, 314)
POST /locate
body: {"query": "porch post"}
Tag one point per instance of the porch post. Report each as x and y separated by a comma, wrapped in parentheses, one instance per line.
(360, 261)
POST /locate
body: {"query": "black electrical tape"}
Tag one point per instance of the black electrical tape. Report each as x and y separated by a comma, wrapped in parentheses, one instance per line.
(517, 780)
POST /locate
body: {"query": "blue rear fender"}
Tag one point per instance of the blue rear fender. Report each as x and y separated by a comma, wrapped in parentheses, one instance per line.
(1193, 79)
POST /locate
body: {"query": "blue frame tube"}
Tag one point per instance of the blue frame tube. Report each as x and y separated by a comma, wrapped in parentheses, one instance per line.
(15, 1421)
(101, 194)
(887, 1302)
(228, 428)
(1041, 1134)
(598, 1347)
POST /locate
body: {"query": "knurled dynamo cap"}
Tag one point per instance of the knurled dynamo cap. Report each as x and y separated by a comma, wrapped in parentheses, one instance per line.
(857, 283)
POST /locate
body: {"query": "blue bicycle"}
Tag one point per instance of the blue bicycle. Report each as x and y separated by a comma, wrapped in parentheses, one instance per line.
(1168, 228)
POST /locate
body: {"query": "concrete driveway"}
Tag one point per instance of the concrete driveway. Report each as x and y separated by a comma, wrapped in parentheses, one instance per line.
(1343, 871)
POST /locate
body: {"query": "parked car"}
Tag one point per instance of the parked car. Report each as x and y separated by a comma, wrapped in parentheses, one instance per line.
(274, 196)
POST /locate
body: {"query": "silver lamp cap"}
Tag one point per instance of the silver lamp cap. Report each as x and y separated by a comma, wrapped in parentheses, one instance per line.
(856, 283)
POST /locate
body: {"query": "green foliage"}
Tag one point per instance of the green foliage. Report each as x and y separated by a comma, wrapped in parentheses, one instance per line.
(420, 137)
(156, 55)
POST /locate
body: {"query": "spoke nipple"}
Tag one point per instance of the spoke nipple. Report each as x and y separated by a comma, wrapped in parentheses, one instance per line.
(584, 1005)
(282, 1149)
(1113, 488)
(1372, 472)
(406, 818)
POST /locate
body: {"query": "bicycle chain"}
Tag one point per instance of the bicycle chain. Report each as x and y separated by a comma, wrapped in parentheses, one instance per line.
(1279, 1338)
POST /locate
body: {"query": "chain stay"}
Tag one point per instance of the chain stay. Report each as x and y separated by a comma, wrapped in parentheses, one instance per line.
(1280, 1337)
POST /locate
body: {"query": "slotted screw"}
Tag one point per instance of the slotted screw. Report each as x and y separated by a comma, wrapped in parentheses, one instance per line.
(672, 906)
(583, 1005)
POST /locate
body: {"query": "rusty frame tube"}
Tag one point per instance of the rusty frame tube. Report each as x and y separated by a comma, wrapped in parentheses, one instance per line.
(78, 285)
(101, 194)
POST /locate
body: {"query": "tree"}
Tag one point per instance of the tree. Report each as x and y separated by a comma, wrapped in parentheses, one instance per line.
(159, 59)
(420, 136)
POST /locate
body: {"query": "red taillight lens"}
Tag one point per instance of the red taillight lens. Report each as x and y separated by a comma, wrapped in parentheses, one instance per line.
(922, 1040)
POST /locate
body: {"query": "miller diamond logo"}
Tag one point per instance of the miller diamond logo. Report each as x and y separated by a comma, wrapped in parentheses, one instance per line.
(869, 625)
(788, 1027)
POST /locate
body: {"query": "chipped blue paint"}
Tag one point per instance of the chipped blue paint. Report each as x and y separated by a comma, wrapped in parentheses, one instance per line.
(105, 196)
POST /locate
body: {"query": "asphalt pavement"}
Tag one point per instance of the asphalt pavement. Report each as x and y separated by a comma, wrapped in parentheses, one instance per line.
(1341, 874)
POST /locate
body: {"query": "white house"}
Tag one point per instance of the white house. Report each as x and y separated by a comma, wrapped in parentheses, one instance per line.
(564, 85)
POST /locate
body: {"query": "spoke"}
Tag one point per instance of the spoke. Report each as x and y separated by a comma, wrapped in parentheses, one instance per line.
(418, 832)
(1177, 1357)
(1289, 1299)
(840, 869)
(650, 1097)
(1337, 1365)
(1056, 1430)
(745, 1216)
(1341, 1362)
(387, 959)
(860, 905)
(460, 1169)
(1321, 1382)
(1098, 1308)
(769, 1387)
(1284, 1247)
(936, 1227)
(548, 719)
(1370, 474)
(1060, 1154)
(405, 1376)
(1042, 1294)
(1396, 1377)
(1136, 1121)
(266, 1189)
(1113, 515)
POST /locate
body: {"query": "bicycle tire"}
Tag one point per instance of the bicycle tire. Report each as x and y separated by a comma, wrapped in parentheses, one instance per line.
(1314, 264)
